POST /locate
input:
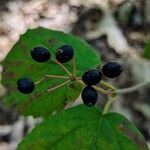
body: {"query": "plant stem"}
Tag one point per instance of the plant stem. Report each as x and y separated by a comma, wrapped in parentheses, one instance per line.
(108, 104)
(101, 90)
(74, 67)
(56, 77)
(80, 81)
(62, 66)
(78, 78)
(58, 86)
(39, 81)
(97, 88)
(109, 86)
(132, 89)
(122, 91)
(51, 77)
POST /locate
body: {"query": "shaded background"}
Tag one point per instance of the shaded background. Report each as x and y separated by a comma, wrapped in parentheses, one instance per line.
(117, 29)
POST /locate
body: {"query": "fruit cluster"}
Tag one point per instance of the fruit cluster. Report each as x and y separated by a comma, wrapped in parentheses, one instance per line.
(41, 54)
(94, 76)
(63, 55)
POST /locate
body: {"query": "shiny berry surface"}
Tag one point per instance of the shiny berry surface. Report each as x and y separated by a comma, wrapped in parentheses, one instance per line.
(64, 53)
(112, 69)
(25, 85)
(40, 54)
(92, 77)
(89, 96)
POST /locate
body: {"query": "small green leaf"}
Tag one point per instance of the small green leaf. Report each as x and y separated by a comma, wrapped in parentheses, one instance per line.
(147, 50)
(84, 128)
(19, 63)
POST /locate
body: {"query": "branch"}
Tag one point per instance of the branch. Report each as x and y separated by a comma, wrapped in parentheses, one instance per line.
(122, 91)
(108, 104)
(132, 89)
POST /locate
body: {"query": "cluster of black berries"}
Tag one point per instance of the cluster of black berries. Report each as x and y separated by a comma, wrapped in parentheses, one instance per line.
(93, 77)
(64, 54)
(41, 54)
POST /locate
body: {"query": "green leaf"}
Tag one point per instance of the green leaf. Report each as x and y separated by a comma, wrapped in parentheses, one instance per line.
(84, 128)
(147, 50)
(19, 63)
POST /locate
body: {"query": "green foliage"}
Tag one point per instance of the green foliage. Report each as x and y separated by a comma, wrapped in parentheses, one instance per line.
(19, 63)
(84, 128)
(147, 50)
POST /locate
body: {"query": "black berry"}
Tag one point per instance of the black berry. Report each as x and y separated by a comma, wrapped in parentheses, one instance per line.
(112, 69)
(92, 77)
(40, 54)
(64, 53)
(25, 85)
(89, 96)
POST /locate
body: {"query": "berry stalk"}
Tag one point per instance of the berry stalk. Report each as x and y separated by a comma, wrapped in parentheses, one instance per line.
(58, 86)
(56, 77)
(51, 77)
(74, 67)
(109, 86)
(97, 88)
(62, 66)
(101, 90)
(39, 81)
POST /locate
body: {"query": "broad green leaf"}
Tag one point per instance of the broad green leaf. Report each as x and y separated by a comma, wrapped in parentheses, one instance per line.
(147, 50)
(19, 63)
(84, 128)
